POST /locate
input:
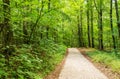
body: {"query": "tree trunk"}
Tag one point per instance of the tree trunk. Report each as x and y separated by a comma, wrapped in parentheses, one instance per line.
(47, 28)
(100, 24)
(88, 24)
(101, 30)
(111, 24)
(37, 20)
(117, 16)
(81, 27)
(79, 32)
(92, 30)
(7, 33)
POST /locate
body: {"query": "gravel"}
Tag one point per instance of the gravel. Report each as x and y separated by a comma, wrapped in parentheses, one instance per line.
(78, 67)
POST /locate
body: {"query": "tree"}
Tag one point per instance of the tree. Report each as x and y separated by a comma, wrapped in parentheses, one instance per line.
(80, 27)
(111, 24)
(7, 34)
(92, 27)
(47, 28)
(100, 23)
(117, 16)
(88, 23)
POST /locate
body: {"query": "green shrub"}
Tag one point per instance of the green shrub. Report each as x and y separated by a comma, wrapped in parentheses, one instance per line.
(30, 60)
(53, 54)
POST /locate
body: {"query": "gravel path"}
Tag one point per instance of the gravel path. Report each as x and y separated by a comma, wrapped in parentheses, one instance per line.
(78, 67)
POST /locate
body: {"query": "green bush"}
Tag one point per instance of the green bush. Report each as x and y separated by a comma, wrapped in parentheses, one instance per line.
(30, 60)
(53, 54)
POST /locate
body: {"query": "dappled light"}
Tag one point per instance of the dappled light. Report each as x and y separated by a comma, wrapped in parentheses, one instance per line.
(35, 36)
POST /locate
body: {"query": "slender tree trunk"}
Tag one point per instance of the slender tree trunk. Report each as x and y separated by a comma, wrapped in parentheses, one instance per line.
(79, 32)
(7, 33)
(100, 24)
(101, 29)
(6, 23)
(88, 24)
(111, 24)
(81, 26)
(80, 29)
(38, 18)
(92, 30)
(117, 16)
(47, 28)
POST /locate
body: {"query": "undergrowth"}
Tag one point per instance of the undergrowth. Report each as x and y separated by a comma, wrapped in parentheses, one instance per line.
(32, 61)
(109, 59)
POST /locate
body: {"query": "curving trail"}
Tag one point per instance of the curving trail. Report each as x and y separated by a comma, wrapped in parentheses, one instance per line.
(78, 67)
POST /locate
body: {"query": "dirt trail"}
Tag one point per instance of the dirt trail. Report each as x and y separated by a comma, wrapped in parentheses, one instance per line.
(78, 67)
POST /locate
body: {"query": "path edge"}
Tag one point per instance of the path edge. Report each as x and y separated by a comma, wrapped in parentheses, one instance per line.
(56, 72)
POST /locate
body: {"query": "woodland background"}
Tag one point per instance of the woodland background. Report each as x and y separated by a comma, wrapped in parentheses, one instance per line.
(34, 34)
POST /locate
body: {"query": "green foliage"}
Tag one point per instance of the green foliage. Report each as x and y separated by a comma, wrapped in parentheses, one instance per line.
(40, 31)
(30, 60)
(109, 59)
(22, 64)
(52, 55)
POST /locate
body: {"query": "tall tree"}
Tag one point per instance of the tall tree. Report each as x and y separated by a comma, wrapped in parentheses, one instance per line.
(81, 24)
(92, 30)
(79, 31)
(100, 22)
(111, 24)
(117, 16)
(88, 23)
(7, 34)
(101, 25)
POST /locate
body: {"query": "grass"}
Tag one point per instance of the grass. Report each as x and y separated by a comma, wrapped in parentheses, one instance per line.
(109, 59)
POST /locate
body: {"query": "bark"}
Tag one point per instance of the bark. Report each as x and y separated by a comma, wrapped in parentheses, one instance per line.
(111, 24)
(88, 24)
(79, 32)
(81, 26)
(117, 16)
(7, 34)
(92, 30)
(100, 24)
(101, 29)
(80, 29)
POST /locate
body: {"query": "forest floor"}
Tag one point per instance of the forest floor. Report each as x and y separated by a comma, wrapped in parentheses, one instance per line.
(103, 68)
(60, 73)
(55, 74)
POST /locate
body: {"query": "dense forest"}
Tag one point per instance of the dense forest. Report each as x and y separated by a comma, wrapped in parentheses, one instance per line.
(34, 34)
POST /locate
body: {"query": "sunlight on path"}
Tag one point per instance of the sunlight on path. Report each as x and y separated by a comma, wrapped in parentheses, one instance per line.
(78, 67)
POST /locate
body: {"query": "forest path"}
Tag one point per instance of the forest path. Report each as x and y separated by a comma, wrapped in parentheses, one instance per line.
(78, 67)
